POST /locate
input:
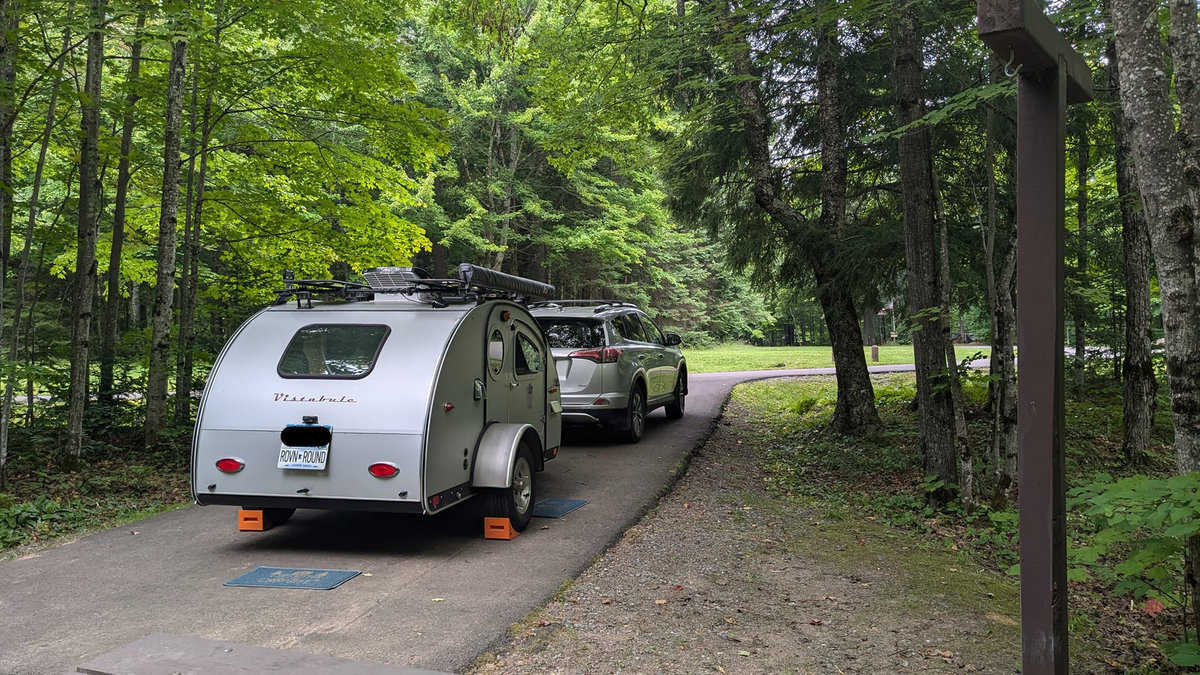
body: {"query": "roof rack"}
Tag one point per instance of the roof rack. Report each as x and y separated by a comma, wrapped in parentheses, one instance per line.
(600, 305)
(474, 284)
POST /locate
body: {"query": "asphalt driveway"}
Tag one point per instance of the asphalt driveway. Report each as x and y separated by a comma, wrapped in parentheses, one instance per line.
(437, 594)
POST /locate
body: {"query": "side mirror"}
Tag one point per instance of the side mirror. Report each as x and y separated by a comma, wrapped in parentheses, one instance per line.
(479, 393)
(672, 339)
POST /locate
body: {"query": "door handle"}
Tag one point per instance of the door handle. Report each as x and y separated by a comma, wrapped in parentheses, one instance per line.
(513, 385)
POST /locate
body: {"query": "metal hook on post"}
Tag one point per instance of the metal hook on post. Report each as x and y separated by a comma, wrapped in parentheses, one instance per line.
(1008, 71)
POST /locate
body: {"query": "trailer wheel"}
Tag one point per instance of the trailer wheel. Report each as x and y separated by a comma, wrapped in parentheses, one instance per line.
(516, 502)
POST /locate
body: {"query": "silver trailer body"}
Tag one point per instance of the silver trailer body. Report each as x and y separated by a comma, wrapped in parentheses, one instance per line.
(453, 396)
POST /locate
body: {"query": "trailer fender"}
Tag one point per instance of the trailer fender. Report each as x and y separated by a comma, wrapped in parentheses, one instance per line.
(496, 452)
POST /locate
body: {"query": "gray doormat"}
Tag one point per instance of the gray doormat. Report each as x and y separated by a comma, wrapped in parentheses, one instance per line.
(556, 507)
(288, 577)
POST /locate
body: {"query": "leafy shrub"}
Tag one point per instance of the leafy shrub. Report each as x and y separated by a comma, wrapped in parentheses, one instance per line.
(18, 519)
(697, 339)
(806, 404)
(895, 393)
(1143, 523)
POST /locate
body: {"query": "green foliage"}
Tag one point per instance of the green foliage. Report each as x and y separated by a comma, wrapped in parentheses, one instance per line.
(895, 393)
(1146, 521)
(1142, 525)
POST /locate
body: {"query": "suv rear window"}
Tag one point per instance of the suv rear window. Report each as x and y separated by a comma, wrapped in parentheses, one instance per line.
(333, 351)
(573, 333)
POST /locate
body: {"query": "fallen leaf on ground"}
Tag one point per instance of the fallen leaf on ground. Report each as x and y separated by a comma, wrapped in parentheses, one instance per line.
(606, 601)
(870, 517)
(439, 599)
(743, 652)
(814, 622)
(678, 588)
(660, 602)
(543, 622)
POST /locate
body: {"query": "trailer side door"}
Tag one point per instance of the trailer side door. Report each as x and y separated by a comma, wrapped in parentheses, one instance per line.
(529, 372)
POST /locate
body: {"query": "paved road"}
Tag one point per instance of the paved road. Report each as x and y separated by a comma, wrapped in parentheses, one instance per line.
(70, 603)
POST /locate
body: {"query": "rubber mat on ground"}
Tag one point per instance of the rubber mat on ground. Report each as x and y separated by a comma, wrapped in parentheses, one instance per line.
(288, 577)
(556, 508)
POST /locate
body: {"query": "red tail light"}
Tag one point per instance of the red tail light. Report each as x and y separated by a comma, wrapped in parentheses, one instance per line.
(230, 464)
(383, 470)
(605, 355)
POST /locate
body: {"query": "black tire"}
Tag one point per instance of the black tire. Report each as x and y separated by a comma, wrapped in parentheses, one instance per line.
(515, 502)
(634, 425)
(277, 516)
(675, 408)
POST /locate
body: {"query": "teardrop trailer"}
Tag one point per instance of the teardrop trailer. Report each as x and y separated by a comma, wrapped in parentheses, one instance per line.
(406, 394)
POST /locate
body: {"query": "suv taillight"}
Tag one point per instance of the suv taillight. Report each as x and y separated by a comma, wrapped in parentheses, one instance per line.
(604, 355)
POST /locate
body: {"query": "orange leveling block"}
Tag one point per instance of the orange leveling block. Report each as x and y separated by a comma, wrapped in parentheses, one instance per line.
(252, 520)
(498, 528)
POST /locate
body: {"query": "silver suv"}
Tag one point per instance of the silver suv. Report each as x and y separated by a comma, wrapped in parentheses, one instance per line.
(614, 365)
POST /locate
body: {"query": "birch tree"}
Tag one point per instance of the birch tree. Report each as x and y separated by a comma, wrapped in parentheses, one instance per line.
(84, 296)
(1169, 205)
(160, 337)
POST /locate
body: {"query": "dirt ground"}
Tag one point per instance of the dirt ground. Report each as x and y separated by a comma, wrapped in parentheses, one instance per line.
(722, 576)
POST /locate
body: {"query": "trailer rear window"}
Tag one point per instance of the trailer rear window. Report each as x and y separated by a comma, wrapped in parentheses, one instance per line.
(333, 351)
(573, 333)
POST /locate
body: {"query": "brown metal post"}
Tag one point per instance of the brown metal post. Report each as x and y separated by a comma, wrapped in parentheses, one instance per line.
(1041, 150)
(1052, 75)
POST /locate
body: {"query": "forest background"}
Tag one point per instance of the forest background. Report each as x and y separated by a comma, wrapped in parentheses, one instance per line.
(808, 171)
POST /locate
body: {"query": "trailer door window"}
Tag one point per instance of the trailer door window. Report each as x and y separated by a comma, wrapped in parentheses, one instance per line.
(529, 357)
(333, 351)
(496, 352)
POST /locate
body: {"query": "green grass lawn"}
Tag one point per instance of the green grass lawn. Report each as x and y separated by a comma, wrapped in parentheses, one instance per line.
(730, 357)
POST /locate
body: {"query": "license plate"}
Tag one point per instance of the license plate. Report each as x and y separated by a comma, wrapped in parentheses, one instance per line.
(308, 459)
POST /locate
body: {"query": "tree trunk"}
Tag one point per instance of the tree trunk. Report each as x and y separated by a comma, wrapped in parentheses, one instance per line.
(934, 396)
(135, 305)
(85, 255)
(14, 336)
(962, 441)
(1170, 213)
(1002, 402)
(160, 338)
(113, 303)
(191, 272)
(183, 393)
(1079, 307)
(1185, 54)
(1141, 389)
(10, 21)
(855, 411)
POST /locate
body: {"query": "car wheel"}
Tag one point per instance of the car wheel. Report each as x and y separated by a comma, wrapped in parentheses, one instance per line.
(635, 416)
(515, 502)
(674, 409)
